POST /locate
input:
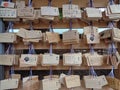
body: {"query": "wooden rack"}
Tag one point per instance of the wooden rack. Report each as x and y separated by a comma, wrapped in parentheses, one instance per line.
(43, 24)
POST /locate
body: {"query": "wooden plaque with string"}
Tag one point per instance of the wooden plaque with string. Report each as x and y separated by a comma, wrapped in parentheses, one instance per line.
(71, 11)
(95, 40)
(20, 3)
(44, 18)
(74, 59)
(26, 11)
(71, 37)
(116, 34)
(90, 29)
(9, 84)
(92, 82)
(94, 59)
(16, 76)
(72, 81)
(50, 60)
(33, 34)
(111, 16)
(115, 9)
(49, 11)
(8, 38)
(93, 16)
(51, 84)
(52, 37)
(105, 34)
(28, 60)
(31, 83)
(9, 60)
(34, 17)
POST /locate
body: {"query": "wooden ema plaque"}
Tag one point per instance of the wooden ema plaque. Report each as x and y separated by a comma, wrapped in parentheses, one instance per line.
(74, 59)
(50, 60)
(28, 60)
(9, 60)
(72, 81)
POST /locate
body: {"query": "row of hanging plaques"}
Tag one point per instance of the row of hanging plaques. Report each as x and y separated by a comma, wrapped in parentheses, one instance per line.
(69, 37)
(69, 59)
(62, 82)
(49, 12)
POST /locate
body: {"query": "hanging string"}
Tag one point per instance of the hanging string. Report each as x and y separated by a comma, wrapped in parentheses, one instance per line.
(30, 74)
(70, 71)
(70, 28)
(70, 24)
(50, 52)
(10, 27)
(91, 3)
(111, 2)
(70, 1)
(30, 3)
(10, 49)
(50, 27)
(50, 49)
(92, 31)
(92, 72)
(113, 48)
(72, 50)
(111, 74)
(12, 72)
(31, 49)
(91, 49)
(9, 0)
(31, 25)
(49, 2)
(111, 25)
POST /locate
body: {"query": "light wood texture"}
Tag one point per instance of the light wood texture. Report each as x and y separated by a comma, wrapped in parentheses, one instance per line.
(44, 24)
(59, 3)
(64, 88)
(43, 45)
(66, 68)
(61, 67)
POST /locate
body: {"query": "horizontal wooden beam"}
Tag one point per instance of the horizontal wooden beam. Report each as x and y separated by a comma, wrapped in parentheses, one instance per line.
(43, 45)
(65, 68)
(59, 3)
(43, 24)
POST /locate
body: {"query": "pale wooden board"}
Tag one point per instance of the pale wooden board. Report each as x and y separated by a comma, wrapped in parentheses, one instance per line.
(61, 67)
(43, 45)
(59, 3)
(42, 24)
(77, 88)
